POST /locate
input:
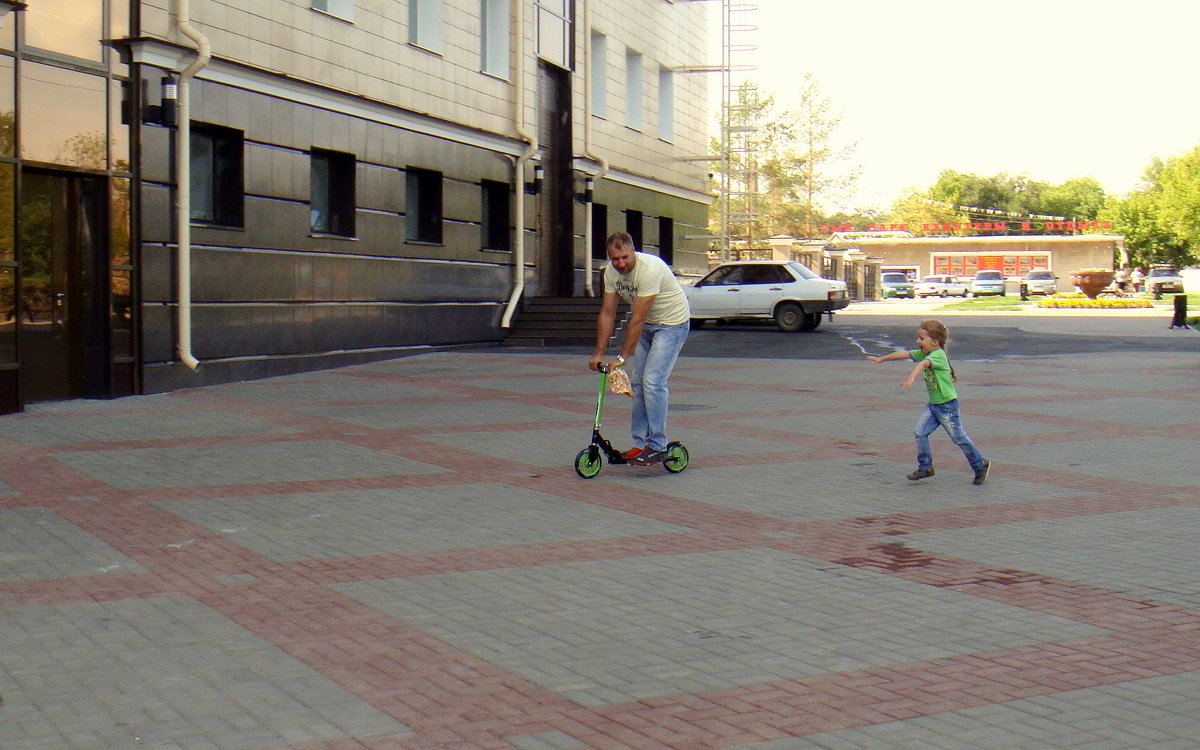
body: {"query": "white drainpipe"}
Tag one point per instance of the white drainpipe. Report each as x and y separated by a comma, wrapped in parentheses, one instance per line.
(519, 171)
(183, 191)
(587, 147)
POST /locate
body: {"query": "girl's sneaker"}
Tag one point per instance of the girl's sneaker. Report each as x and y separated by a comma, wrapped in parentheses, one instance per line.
(981, 473)
(923, 473)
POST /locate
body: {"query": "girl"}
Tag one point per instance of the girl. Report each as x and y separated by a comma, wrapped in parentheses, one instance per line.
(942, 410)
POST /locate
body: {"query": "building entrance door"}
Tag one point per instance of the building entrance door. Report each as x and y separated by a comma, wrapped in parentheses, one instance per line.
(556, 232)
(63, 324)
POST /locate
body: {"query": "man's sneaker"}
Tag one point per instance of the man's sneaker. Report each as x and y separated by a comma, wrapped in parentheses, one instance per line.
(632, 453)
(922, 474)
(649, 456)
(982, 472)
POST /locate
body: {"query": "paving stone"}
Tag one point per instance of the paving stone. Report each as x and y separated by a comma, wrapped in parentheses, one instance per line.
(150, 468)
(36, 543)
(137, 426)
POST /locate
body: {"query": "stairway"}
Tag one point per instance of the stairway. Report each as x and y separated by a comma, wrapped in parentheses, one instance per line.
(559, 321)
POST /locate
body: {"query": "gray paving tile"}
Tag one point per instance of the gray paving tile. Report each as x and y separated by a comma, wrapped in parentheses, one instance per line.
(149, 468)
(162, 673)
(1135, 409)
(1151, 714)
(1174, 462)
(136, 426)
(337, 386)
(649, 627)
(36, 543)
(802, 490)
(1149, 553)
(7, 490)
(410, 521)
(450, 413)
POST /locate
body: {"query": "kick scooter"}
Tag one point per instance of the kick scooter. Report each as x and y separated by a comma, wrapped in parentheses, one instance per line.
(590, 460)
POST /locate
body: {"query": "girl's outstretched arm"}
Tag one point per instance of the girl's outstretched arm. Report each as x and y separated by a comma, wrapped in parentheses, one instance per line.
(898, 354)
(916, 372)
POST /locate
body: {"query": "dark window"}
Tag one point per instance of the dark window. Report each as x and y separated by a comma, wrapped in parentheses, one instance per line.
(332, 196)
(764, 274)
(496, 209)
(599, 231)
(666, 239)
(423, 218)
(633, 225)
(217, 188)
(723, 276)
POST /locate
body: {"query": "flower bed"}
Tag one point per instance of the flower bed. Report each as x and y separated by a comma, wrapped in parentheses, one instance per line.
(1078, 300)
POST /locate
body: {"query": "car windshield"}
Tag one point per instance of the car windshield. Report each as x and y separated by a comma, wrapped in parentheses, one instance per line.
(895, 278)
(1162, 272)
(988, 276)
(1040, 276)
(803, 270)
(932, 279)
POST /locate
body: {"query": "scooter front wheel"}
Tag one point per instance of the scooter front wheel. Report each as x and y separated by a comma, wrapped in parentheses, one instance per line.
(677, 458)
(588, 462)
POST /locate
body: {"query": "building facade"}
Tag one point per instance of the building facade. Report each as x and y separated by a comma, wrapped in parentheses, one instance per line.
(202, 191)
(1011, 255)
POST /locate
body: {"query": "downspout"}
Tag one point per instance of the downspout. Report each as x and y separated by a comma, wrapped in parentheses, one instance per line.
(588, 239)
(183, 191)
(519, 170)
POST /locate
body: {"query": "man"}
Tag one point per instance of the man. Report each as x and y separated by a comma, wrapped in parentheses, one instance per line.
(657, 328)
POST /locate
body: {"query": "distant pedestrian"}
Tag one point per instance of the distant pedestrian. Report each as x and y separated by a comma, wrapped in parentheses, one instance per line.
(1136, 277)
(942, 410)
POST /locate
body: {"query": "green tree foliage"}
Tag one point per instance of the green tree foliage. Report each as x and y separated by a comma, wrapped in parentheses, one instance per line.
(1161, 222)
(963, 197)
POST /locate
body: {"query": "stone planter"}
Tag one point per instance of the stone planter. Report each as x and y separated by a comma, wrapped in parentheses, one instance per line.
(1091, 282)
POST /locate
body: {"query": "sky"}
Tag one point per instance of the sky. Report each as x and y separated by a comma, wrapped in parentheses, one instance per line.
(1053, 89)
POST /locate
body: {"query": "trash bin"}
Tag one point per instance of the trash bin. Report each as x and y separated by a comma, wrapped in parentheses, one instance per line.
(1179, 320)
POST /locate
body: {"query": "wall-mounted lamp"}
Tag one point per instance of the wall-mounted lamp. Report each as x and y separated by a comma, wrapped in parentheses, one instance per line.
(170, 101)
(535, 187)
(588, 193)
(7, 5)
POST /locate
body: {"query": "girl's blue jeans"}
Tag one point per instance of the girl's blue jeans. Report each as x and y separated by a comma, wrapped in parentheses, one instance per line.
(944, 415)
(657, 349)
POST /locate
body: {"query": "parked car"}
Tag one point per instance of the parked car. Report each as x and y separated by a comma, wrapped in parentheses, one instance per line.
(896, 284)
(987, 282)
(941, 286)
(1163, 280)
(1040, 282)
(787, 292)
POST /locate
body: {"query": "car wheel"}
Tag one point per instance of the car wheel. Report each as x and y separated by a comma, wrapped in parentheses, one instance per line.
(811, 321)
(789, 317)
(944, 294)
(697, 323)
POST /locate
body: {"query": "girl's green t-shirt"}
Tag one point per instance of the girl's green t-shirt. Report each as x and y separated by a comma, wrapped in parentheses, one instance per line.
(938, 379)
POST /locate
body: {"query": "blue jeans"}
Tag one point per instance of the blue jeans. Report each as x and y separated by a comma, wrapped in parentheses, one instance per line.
(657, 349)
(944, 415)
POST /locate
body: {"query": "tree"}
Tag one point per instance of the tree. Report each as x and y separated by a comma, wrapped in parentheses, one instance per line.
(1161, 221)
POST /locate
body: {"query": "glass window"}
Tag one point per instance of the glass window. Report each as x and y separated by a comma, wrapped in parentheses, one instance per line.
(423, 212)
(633, 89)
(494, 37)
(8, 314)
(425, 24)
(332, 201)
(8, 110)
(118, 131)
(63, 116)
(599, 74)
(8, 182)
(69, 27)
(554, 31)
(666, 103)
(121, 312)
(343, 9)
(216, 181)
(599, 231)
(497, 206)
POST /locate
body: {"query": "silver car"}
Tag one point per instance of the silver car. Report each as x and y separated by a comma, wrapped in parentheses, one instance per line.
(1163, 280)
(1040, 282)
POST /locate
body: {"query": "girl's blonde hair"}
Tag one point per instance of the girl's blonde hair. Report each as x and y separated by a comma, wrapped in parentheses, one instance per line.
(939, 333)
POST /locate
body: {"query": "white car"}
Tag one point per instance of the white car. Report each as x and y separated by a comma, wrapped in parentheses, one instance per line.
(942, 286)
(784, 291)
(1040, 282)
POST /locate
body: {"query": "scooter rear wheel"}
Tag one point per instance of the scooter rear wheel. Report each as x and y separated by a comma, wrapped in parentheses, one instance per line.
(677, 458)
(588, 462)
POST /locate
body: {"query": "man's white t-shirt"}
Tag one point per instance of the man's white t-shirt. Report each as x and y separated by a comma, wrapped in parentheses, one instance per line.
(651, 276)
